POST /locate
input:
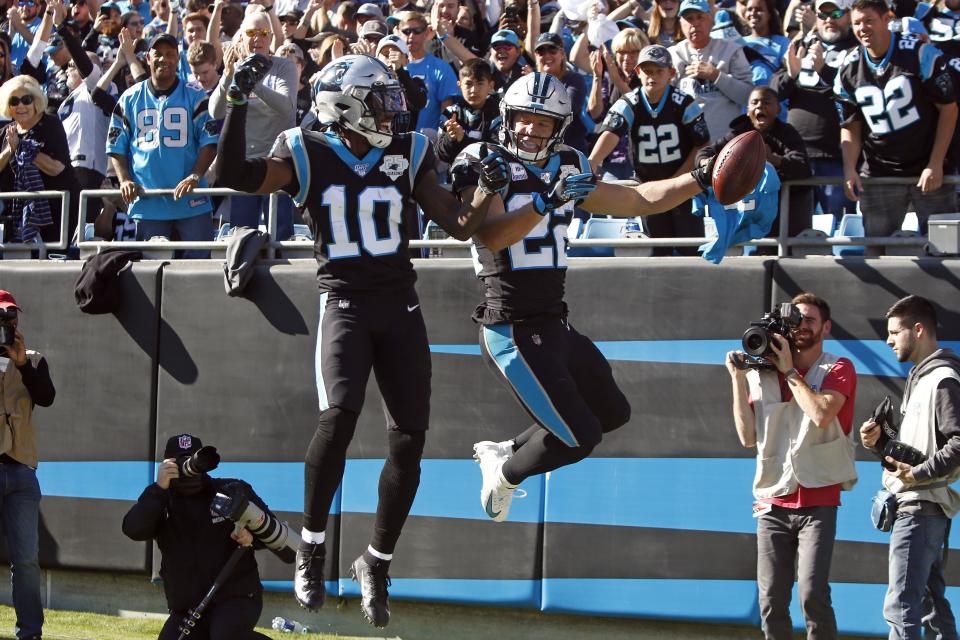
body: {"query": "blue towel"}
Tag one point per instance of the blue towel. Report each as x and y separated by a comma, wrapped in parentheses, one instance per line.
(749, 219)
(34, 213)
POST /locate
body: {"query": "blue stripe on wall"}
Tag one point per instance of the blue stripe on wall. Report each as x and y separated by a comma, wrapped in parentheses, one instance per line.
(869, 357)
(513, 593)
(448, 489)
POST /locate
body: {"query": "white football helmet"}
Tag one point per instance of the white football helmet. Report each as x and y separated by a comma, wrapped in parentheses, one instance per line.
(535, 93)
(360, 93)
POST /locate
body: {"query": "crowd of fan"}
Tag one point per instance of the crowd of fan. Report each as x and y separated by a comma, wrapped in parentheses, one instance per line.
(79, 79)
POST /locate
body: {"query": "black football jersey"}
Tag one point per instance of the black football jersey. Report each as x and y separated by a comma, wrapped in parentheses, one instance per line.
(525, 280)
(661, 136)
(943, 28)
(356, 207)
(896, 100)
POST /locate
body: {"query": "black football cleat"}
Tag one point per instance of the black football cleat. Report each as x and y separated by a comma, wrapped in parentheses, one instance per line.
(308, 580)
(373, 591)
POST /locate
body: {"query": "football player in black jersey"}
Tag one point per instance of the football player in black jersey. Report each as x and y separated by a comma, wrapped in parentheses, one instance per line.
(353, 181)
(666, 128)
(897, 104)
(557, 374)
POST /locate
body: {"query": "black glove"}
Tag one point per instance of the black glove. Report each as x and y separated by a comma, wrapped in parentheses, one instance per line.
(247, 74)
(494, 173)
(704, 174)
(571, 187)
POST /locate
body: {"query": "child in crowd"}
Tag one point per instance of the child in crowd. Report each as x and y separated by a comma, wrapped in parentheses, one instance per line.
(475, 115)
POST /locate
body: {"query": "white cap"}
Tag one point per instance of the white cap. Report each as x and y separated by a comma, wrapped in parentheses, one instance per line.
(839, 4)
(393, 40)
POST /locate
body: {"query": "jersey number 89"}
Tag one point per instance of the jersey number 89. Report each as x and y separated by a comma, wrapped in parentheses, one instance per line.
(170, 127)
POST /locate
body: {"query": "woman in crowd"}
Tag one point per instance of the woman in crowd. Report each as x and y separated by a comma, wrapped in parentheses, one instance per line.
(34, 156)
(664, 23)
(766, 45)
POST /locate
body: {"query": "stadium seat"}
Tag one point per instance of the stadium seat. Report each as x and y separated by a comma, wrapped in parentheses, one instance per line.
(594, 229)
(573, 229)
(851, 226)
(825, 222)
(802, 252)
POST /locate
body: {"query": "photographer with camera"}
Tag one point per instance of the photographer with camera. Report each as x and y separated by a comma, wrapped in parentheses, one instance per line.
(24, 383)
(198, 523)
(795, 405)
(921, 461)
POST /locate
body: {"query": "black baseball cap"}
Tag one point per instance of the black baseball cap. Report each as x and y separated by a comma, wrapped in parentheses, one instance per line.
(549, 40)
(163, 37)
(181, 445)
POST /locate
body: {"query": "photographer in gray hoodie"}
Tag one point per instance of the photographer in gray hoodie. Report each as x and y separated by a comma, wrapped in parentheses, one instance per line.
(930, 425)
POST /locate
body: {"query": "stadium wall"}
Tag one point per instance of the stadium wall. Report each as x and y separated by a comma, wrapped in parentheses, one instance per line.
(657, 523)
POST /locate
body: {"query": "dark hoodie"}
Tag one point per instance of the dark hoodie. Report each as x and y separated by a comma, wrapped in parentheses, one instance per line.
(947, 457)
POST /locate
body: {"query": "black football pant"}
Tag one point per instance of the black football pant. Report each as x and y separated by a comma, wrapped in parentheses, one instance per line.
(565, 384)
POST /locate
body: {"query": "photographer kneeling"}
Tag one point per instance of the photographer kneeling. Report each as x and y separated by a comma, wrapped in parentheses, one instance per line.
(198, 522)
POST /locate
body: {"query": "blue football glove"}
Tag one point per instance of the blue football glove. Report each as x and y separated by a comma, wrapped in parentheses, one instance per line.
(494, 173)
(574, 187)
(248, 73)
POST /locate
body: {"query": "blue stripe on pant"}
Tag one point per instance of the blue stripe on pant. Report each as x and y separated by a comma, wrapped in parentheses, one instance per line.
(502, 347)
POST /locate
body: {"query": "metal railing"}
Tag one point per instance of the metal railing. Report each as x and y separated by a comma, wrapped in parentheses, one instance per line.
(40, 246)
(783, 241)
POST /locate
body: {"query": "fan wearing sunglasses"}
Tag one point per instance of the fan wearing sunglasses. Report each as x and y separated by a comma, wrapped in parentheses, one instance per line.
(24, 23)
(271, 110)
(438, 75)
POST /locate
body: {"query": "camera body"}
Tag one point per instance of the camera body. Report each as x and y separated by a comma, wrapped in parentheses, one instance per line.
(235, 505)
(901, 452)
(7, 335)
(780, 321)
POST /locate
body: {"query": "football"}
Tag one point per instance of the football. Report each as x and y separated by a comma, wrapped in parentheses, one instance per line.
(739, 167)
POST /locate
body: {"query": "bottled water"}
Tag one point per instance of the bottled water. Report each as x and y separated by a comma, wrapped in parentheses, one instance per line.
(288, 626)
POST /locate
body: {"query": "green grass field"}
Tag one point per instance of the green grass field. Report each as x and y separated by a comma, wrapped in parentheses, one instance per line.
(73, 625)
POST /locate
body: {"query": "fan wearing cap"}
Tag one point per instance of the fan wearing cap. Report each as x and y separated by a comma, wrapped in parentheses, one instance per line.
(392, 51)
(195, 543)
(806, 84)
(24, 384)
(24, 22)
(714, 72)
(437, 74)
(509, 62)
(161, 137)
(665, 128)
(551, 58)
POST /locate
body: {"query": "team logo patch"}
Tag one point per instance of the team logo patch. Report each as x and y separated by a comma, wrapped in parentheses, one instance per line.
(394, 166)
(568, 170)
(113, 134)
(184, 442)
(535, 338)
(344, 304)
(943, 83)
(517, 172)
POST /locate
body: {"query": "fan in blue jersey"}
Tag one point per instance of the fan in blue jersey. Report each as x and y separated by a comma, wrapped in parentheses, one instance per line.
(897, 104)
(162, 137)
(355, 182)
(557, 374)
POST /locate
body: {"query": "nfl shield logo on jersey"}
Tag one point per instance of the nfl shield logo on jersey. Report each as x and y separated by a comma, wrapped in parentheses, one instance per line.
(394, 166)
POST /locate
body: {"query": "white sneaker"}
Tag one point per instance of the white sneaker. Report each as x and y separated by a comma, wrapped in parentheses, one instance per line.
(495, 496)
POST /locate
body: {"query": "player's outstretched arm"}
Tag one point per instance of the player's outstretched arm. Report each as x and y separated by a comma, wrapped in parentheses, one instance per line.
(459, 219)
(260, 175)
(644, 200)
(502, 228)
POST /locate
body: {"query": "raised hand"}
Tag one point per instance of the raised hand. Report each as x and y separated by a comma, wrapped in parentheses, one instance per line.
(494, 173)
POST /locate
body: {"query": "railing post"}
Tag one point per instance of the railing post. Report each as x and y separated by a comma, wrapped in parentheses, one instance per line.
(272, 226)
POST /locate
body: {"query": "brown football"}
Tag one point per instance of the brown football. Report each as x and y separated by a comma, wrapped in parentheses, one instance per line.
(739, 167)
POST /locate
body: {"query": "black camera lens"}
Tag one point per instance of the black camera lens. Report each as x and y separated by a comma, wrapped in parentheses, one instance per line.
(755, 341)
(7, 335)
(203, 461)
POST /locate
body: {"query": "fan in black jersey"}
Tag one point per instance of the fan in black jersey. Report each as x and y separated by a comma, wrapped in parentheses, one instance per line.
(942, 25)
(666, 128)
(805, 83)
(557, 374)
(352, 182)
(897, 104)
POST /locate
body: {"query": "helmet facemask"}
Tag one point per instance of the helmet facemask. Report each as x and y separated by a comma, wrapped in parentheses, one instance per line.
(383, 114)
(511, 139)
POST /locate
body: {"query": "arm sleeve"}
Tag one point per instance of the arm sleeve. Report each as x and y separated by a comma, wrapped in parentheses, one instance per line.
(735, 82)
(947, 457)
(104, 101)
(38, 383)
(281, 94)
(144, 519)
(77, 52)
(619, 119)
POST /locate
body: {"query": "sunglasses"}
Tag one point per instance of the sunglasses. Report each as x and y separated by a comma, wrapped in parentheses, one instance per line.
(836, 14)
(289, 21)
(413, 31)
(253, 33)
(547, 48)
(16, 101)
(27, 3)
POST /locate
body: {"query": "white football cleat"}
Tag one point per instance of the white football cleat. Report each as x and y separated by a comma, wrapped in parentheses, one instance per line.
(495, 495)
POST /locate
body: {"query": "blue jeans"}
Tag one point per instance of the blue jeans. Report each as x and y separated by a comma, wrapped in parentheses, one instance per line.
(20, 511)
(916, 588)
(830, 197)
(199, 228)
(246, 211)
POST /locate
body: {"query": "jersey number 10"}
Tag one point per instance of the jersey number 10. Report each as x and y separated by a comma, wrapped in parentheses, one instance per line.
(339, 245)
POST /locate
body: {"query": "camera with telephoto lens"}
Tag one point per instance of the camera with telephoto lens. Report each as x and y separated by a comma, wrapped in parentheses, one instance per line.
(782, 321)
(7, 335)
(204, 460)
(274, 534)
